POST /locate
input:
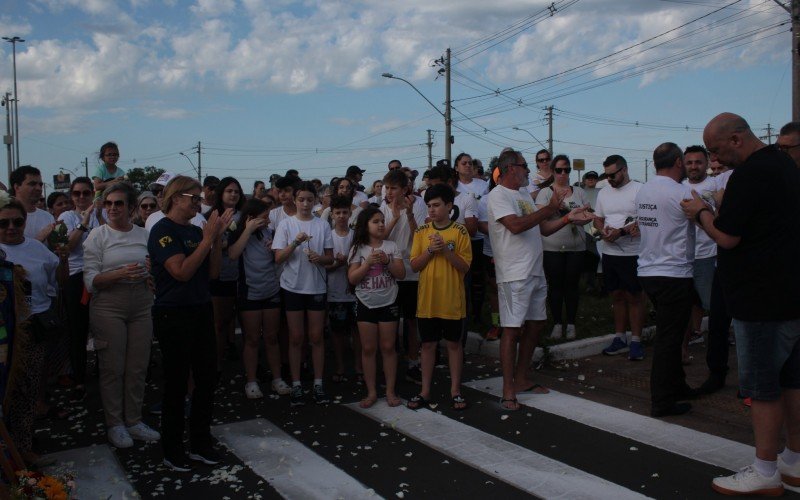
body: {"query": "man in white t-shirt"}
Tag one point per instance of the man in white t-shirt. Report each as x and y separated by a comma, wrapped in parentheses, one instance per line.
(666, 255)
(515, 229)
(616, 220)
(26, 186)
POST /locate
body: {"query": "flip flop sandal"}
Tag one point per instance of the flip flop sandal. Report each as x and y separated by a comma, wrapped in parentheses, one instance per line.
(459, 403)
(418, 402)
(338, 378)
(503, 402)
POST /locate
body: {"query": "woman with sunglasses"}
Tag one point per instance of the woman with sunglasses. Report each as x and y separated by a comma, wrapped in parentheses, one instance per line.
(146, 204)
(184, 259)
(227, 195)
(563, 250)
(41, 268)
(80, 221)
(116, 275)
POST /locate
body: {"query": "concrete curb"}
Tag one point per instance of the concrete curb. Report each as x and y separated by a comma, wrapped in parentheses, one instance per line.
(569, 350)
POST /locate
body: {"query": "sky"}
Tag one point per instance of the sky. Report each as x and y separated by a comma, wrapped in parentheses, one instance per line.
(268, 85)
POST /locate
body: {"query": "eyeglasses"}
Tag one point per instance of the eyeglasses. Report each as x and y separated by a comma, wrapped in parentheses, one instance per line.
(785, 148)
(613, 174)
(16, 222)
(84, 193)
(115, 203)
(148, 206)
(542, 160)
(562, 170)
(195, 197)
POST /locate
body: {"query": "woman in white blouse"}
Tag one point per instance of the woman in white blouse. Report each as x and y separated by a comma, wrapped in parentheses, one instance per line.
(114, 271)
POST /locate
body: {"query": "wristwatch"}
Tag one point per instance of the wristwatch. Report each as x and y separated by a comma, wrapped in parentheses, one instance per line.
(82, 227)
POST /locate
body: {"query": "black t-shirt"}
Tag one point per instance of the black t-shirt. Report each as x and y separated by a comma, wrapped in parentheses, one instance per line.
(168, 238)
(761, 205)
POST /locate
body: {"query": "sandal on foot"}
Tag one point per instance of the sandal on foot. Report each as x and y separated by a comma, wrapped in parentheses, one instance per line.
(359, 378)
(393, 401)
(418, 402)
(338, 378)
(459, 403)
(515, 406)
(536, 389)
(367, 402)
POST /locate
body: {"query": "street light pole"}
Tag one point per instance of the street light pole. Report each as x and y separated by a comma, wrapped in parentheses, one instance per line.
(13, 41)
(191, 163)
(8, 139)
(443, 115)
(448, 143)
(530, 134)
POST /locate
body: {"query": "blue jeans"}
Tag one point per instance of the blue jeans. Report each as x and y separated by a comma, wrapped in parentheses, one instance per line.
(703, 275)
(769, 357)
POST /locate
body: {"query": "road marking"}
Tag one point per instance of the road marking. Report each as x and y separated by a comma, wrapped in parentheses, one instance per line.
(676, 439)
(98, 473)
(518, 466)
(286, 464)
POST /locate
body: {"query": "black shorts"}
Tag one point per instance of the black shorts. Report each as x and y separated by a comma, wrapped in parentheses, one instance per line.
(488, 266)
(342, 316)
(303, 301)
(273, 302)
(385, 314)
(436, 329)
(407, 298)
(222, 288)
(619, 273)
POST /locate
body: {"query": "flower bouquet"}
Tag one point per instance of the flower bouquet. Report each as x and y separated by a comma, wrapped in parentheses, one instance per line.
(33, 484)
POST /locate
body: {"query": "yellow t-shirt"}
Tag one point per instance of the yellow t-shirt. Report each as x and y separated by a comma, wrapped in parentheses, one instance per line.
(441, 286)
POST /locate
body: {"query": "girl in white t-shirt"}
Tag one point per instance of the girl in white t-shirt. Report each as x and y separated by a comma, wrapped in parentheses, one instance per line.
(303, 244)
(375, 264)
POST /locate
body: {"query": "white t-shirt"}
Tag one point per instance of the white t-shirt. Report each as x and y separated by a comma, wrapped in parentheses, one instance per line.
(617, 205)
(338, 286)
(722, 179)
(378, 288)
(198, 220)
(106, 249)
(483, 216)
(467, 206)
(667, 246)
(71, 220)
(298, 274)
(705, 247)
(535, 181)
(40, 268)
(569, 238)
(401, 233)
(359, 197)
(36, 221)
(276, 215)
(326, 216)
(516, 256)
(478, 188)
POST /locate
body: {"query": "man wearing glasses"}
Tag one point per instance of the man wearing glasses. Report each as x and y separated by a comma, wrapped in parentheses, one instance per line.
(789, 141)
(157, 188)
(616, 215)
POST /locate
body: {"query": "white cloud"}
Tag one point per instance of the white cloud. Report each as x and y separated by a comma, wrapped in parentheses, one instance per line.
(88, 6)
(165, 113)
(212, 8)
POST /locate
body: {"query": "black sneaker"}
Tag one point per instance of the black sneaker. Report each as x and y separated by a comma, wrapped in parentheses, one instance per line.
(319, 396)
(414, 374)
(296, 398)
(178, 463)
(208, 456)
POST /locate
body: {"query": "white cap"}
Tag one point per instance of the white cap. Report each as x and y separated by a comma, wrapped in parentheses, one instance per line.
(162, 180)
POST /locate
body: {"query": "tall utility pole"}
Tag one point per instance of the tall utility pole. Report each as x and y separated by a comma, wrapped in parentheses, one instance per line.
(86, 166)
(769, 135)
(13, 41)
(550, 129)
(646, 167)
(794, 12)
(447, 120)
(430, 149)
(8, 139)
(199, 159)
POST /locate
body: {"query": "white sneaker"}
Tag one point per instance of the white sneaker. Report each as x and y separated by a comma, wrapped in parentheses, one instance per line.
(253, 391)
(119, 438)
(281, 387)
(143, 432)
(556, 333)
(789, 473)
(749, 482)
(570, 332)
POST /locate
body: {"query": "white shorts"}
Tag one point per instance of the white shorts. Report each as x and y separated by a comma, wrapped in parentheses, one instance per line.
(522, 300)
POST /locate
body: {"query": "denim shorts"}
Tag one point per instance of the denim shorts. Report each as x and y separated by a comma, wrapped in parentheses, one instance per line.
(768, 353)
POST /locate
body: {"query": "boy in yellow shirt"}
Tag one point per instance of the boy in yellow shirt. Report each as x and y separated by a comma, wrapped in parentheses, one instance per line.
(441, 252)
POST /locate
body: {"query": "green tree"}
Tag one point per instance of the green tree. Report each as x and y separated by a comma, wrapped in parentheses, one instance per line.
(142, 177)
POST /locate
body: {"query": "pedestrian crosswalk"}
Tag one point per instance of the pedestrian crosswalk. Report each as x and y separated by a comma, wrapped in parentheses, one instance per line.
(557, 446)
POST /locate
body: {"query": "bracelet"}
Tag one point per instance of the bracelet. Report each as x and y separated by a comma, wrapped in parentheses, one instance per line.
(295, 243)
(565, 219)
(697, 215)
(430, 251)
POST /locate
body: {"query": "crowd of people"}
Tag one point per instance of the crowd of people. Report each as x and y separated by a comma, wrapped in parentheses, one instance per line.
(183, 262)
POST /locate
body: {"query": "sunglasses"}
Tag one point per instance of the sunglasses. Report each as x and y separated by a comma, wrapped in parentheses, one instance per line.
(564, 170)
(84, 193)
(115, 203)
(195, 197)
(542, 160)
(148, 206)
(16, 222)
(613, 174)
